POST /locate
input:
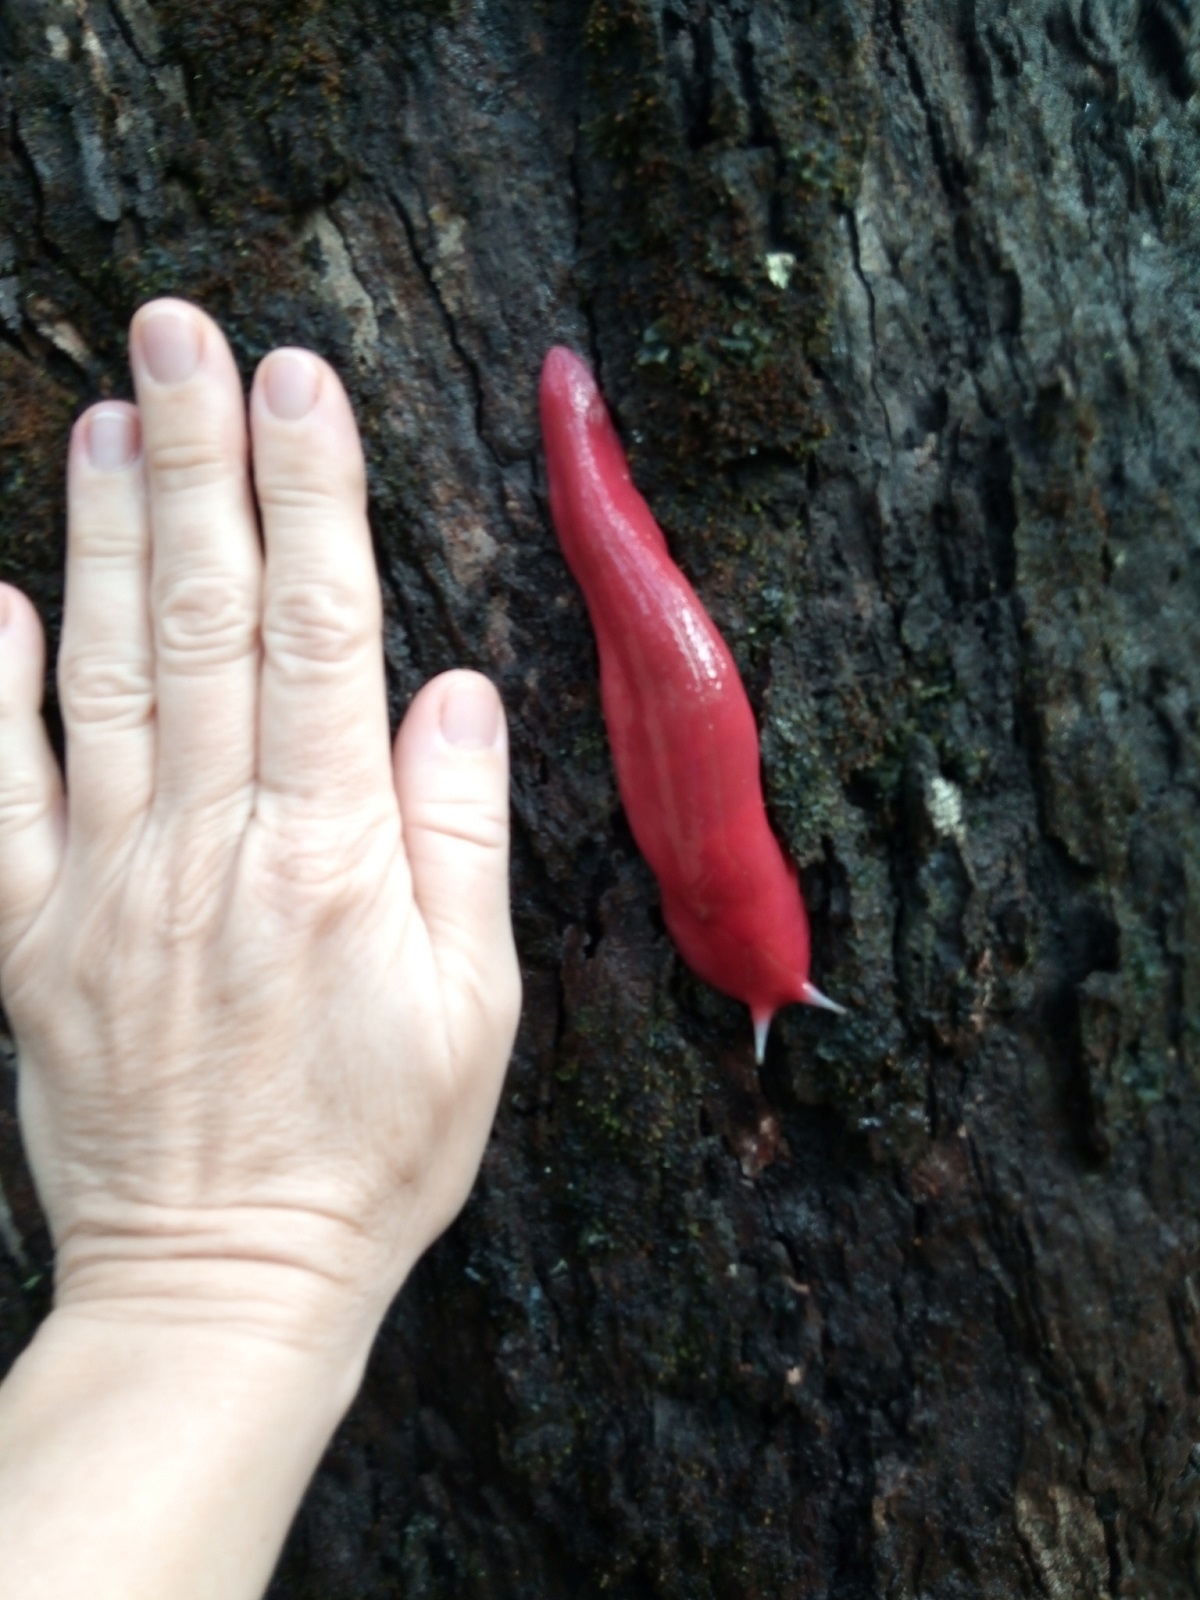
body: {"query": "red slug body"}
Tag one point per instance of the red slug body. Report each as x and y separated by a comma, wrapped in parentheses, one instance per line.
(683, 736)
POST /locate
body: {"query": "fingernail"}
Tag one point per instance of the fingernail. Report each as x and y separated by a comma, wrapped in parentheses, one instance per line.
(471, 714)
(291, 381)
(6, 607)
(170, 341)
(112, 439)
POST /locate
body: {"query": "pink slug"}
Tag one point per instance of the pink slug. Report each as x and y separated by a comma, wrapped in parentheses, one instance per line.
(683, 736)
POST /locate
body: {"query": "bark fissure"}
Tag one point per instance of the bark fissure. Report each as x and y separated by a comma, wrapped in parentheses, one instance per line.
(126, 32)
(856, 257)
(469, 365)
(949, 170)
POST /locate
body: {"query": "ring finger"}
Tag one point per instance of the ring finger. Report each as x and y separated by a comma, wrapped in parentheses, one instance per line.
(106, 661)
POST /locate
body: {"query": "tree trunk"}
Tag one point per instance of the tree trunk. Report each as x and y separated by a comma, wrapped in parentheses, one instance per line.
(898, 306)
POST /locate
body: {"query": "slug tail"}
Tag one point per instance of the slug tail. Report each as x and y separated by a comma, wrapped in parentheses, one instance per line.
(762, 1027)
(812, 996)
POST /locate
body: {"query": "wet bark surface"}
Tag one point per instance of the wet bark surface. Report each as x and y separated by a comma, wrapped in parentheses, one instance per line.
(898, 306)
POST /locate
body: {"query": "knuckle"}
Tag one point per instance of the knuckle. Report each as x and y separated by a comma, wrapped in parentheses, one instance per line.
(317, 622)
(23, 800)
(190, 899)
(302, 863)
(183, 465)
(107, 540)
(172, 892)
(481, 828)
(313, 870)
(206, 620)
(304, 886)
(96, 691)
(300, 488)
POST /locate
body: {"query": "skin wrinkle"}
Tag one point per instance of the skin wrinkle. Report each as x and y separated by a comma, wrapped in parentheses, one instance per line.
(105, 692)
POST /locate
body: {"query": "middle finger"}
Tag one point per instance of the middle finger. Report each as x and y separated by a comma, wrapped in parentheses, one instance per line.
(206, 565)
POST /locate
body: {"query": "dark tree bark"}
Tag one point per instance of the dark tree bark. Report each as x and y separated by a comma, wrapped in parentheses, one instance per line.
(898, 305)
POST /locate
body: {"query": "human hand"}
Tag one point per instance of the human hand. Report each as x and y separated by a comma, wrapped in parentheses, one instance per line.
(262, 977)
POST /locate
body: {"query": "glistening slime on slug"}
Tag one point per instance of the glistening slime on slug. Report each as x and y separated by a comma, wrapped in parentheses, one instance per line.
(683, 736)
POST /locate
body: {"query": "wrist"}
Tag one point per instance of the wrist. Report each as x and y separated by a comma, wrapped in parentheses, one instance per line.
(201, 1363)
(296, 1281)
(159, 1457)
(200, 1357)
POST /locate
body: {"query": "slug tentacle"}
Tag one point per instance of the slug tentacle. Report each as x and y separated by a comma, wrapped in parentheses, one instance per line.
(762, 1027)
(812, 996)
(683, 735)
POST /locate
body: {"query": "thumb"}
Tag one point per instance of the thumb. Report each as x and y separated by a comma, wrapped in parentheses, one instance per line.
(451, 773)
(31, 835)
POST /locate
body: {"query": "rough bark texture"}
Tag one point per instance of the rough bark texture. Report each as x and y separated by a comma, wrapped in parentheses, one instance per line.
(898, 304)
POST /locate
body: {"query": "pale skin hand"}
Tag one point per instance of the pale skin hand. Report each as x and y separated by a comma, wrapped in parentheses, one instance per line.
(259, 966)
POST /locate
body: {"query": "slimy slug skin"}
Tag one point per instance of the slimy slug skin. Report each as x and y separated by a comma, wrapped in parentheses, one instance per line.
(683, 735)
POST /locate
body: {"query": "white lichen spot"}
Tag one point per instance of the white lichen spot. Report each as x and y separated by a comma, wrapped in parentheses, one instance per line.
(344, 287)
(780, 265)
(874, 203)
(1065, 1539)
(71, 342)
(98, 57)
(59, 44)
(470, 549)
(1109, 702)
(498, 634)
(172, 88)
(102, 189)
(449, 231)
(449, 262)
(945, 804)
(46, 319)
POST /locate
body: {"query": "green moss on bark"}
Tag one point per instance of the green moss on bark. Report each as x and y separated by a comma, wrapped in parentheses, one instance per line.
(719, 189)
